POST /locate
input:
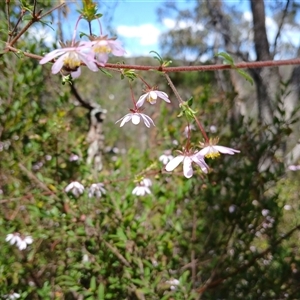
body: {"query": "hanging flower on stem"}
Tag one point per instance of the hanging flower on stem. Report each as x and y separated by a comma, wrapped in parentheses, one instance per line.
(103, 46)
(187, 157)
(135, 117)
(151, 95)
(70, 57)
(212, 150)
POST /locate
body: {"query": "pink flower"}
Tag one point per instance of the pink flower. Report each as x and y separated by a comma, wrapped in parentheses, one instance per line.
(151, 96)
(70, 59)
(102, 47)
(211, 150)
(187, 158)
(135, 117)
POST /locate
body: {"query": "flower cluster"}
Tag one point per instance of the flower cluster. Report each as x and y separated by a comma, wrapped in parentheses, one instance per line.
(92, 53)
(77, 189)
(20, 241)
(136, 115)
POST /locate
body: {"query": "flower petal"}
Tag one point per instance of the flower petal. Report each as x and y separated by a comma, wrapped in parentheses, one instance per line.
(187, 167)
(57, 66)
(147, 120)
(163, 96)
(174, 163)
(136, 118)
(226, 150)
(199, 160)
(141, 101)
(89, 62)
(52, 55)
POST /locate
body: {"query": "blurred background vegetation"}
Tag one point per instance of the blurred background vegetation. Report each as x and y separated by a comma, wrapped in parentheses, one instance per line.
(231, 234)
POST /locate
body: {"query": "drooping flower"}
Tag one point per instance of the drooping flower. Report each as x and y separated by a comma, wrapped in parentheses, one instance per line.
(187, 158)
(97, 190)
(212, 150)
(151, 96)
(23, 242)
(135, 116)
(143, 187)
(166, 157)
(70, 59)
(75, 188)
(103, 46)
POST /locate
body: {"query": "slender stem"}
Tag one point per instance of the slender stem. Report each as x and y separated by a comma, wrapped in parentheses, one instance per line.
(173, 88)
(23, 12)
(100, 26)
(201, 129)
(132, 97)
(52, 9)
(75, 30)
(243, 65)
(140, 77)
(90, 27)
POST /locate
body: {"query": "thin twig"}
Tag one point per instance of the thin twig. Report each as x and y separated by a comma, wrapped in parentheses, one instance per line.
(202, 68)
(41, 184)
(117, 253)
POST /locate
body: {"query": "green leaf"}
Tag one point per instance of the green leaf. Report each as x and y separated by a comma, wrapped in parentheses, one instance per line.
(227, 58)
(101, 290)
(245, 75)
(93, 284)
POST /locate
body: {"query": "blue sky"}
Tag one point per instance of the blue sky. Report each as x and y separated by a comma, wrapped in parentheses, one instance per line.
(136, 23)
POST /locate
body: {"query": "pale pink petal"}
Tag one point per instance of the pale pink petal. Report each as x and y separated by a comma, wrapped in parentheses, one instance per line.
(226, 150)
(174, 163)
(204, 151)
(187, 167)
(136, 118)
(141, 101)
(76, 74)
(57, 66)
(147, 120)
(163, 96)
(199, 160)
(126, 119)
(89, 62)
(52, 55)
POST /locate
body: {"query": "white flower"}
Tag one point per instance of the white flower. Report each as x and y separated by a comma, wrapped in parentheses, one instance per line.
(13, 238)
(96, 190)
(12, 296)
(188, 158)
(166, 157)
(211, 150)
(173, 283)
(135, 118)
(142, 188)
(151, 96)
(23, 242)
(75, 187)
